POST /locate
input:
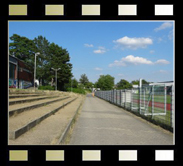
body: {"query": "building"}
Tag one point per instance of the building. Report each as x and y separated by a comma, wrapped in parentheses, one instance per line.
(20, 75)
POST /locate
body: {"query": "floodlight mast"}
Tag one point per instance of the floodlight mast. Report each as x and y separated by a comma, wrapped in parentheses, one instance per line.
(55, 76)
(36, 54)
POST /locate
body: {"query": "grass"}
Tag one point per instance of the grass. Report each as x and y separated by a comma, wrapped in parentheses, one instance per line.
(77, 90)
(48, 87)
(164, 119)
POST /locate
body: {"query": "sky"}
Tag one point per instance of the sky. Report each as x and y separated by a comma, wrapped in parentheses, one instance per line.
(127, 50)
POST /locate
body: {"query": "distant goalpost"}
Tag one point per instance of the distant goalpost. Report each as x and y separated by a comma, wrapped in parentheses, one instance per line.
(153, 99)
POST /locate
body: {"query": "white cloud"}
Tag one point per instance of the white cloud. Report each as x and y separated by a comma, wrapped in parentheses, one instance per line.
(163, 26)
(151, 51)
(170, 35)
(120, 74)
(162, 62)
(100, 50)
(98, 69)
(130, 59)
(88, 45)
(133, 43)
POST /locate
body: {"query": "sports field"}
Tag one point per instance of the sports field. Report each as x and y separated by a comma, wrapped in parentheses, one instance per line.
(156, 107)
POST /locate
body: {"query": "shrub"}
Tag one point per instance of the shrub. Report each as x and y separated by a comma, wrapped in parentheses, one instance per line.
(48, 87)
(76, 90)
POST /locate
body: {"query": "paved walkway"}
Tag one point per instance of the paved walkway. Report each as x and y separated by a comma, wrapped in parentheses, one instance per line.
(102, 123)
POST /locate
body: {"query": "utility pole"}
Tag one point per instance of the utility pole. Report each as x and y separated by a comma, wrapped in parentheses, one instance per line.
(71, 84)
(36, 54)
(55, 77)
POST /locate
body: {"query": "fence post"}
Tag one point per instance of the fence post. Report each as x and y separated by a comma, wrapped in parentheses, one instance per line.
(144, 98)
(132, 100)
(120, 97)
(113, 96)
(165, 97)
(152, 100)
(116, 97)
(140, 100)
(172, 107)
(125, 98)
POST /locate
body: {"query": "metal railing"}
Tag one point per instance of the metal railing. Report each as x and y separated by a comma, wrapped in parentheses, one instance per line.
(156, 102)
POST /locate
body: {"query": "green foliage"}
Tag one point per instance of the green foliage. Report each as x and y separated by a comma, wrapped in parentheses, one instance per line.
(76, 90)
(23, 48)
(123, 84)
(88, 90)
(81, 86)
(51, 56)
(42, 46)
(59, 58)
(89, 85)
(48, 87)
(84, 79)
(136, 82)
(105, 82)
(74, 83)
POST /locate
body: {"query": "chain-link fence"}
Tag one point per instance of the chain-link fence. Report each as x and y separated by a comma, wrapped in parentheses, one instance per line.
(156, 102)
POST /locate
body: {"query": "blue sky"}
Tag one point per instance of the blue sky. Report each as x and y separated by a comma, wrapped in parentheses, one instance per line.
(124, 49)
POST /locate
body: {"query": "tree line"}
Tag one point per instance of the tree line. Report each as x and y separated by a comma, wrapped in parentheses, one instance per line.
(106, 82)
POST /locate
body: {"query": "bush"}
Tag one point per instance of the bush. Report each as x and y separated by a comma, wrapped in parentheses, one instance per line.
(76, 90)
(88, 90)
(48, 87)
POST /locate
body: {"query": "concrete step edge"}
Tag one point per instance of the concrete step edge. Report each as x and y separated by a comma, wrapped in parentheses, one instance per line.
(64, 134)
(20, 96)
(19, 110)
(15, 134)
(30, 100)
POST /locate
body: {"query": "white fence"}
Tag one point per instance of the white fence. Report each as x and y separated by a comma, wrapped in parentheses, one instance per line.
(153, 101)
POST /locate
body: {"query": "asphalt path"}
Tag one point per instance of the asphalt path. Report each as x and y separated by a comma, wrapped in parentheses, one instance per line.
(102, 123)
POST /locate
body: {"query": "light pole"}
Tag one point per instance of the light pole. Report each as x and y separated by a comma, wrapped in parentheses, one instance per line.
(71, 84)
(36, 54)
(55, 77)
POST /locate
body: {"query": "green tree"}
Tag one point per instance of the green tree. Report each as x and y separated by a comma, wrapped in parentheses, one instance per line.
(23, 48)
(51, 56)
(74, 83)
(89, 85)
(59, 58)
(105, 82)
(123, 84)
(136, 82)
(42, 46)
(145, 82)
(84, 79)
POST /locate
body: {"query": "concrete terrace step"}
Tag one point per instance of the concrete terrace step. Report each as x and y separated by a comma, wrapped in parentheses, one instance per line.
(16, 109)
(11, 96)
(51, 129)
(27, 91)
(18, 125)
(28, 99)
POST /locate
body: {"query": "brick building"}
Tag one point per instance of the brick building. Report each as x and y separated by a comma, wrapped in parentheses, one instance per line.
(20, 75)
